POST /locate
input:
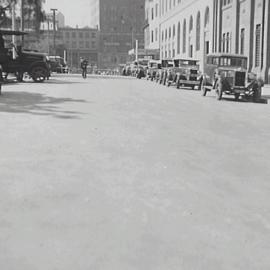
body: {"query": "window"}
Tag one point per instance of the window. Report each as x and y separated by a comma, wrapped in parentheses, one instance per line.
(80, 35)
(73, 34)
(198, 31)
(93, 35)
(223, 42)
(152, 36)
(190, 24)
(178, 38)
(206, 17)
(257, 45)
(226, 2)
(242, 41)
(184, 36)
(228, 41)
(156, 34)
(207, 47)
(67, 34)
(152, 13)
(156, 10)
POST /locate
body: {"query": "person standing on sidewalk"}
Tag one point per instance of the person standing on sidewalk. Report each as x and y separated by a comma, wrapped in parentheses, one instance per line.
(84, 64)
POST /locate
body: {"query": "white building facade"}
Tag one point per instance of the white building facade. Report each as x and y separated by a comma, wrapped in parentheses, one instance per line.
(195, 28)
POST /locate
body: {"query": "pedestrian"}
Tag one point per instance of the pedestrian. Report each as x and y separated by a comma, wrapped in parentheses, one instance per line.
(84, 64)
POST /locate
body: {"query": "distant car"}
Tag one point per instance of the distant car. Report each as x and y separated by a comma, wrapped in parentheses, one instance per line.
(58, 64)
(153, 67)
(185, 73)
(34, 63)
(227, 74)
(140, 71)
(163, 73)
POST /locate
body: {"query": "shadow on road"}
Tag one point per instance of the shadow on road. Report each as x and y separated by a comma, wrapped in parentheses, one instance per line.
(263, 100)
(36, 104)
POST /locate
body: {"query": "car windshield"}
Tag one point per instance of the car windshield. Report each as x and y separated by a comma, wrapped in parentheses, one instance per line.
(233, 62)
(183, 62)
(143, 62)
(153, 65)
(228, 61)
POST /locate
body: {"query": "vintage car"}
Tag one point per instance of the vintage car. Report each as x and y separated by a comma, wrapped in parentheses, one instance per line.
(185, 73)
(34, 63)
(153, 67)
(162, 74)
(140, 71)
(58, 64)
(227, 74)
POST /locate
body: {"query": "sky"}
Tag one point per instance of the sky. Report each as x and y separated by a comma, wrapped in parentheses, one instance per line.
(76, 12)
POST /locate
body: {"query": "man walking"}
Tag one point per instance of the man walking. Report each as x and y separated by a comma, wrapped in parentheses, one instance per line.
(84, 64)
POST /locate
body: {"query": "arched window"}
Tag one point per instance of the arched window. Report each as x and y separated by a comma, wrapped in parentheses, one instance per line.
(198, 31)
(206, 17)
(190, 24)
(178, 38)
(184, 36)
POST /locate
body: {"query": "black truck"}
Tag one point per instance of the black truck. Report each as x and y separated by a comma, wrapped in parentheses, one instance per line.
(36, 64)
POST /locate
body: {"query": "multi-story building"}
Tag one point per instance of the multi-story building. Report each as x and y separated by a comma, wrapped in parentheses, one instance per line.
(195, 28)
(48, 24)
(120, 23)
(80, 42)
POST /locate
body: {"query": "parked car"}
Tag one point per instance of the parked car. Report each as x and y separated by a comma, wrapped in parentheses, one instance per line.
(185, 73)
(34, 63)
(166, 65)
(58, 64)
(227, 74)
(140, 72)
(153, 67)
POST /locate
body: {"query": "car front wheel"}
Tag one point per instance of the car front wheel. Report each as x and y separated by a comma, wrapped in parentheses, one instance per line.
(39, 74)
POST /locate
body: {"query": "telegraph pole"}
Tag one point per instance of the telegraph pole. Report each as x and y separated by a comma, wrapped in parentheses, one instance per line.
(54, 29)
(13, 28)
(22, 20)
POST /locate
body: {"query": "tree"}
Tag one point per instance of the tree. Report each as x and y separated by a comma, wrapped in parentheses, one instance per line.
(33, 13)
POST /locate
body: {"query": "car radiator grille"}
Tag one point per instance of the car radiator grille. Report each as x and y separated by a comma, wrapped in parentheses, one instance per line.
(240, 78)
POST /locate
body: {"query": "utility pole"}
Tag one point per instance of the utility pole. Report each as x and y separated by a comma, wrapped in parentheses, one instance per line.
(54, 29)
(13, 15)
(22, 20)
(136, 50)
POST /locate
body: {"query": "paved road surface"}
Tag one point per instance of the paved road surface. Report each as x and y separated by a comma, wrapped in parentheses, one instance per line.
(123, 174)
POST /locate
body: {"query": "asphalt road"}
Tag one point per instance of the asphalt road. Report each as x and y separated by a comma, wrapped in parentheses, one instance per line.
(125, 174)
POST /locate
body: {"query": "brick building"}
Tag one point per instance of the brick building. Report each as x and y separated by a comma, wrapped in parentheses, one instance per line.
(120, 23)
(194, 28)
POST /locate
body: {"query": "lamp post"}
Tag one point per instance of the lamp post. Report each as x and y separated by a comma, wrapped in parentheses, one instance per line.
(54, 29)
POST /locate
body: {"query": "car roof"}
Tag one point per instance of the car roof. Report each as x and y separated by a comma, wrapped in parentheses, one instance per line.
(226, 55)
(12, 33)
